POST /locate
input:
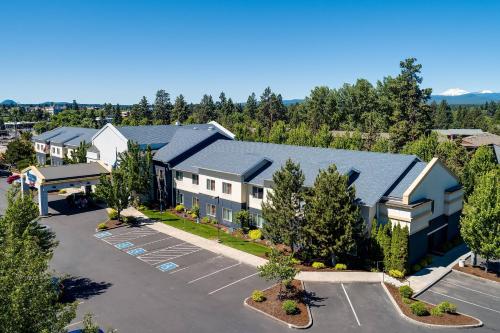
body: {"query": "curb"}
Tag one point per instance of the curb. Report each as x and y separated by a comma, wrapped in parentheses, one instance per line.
(473, 276)
(416, 322)
(309, 324)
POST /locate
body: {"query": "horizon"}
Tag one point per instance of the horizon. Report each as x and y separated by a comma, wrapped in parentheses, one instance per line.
(117, 52)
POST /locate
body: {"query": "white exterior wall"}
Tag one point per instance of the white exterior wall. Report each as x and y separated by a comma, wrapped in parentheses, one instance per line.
(186, 184)
(57, 151)
(254, 202)
(237, 192)
(40, 147)
(110, 143)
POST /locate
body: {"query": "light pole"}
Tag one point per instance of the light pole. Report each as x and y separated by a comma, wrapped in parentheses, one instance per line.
(218, 225)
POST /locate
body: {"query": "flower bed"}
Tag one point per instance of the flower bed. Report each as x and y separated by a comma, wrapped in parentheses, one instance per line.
(109, 224)
(451, 319)
(273, 306)
(478, 271)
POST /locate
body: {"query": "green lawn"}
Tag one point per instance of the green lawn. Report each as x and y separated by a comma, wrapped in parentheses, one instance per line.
(207, 231)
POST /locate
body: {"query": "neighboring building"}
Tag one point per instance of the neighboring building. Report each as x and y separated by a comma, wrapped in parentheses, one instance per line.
(496, 148)
(484, 139)
(457, 133)
(59, 143)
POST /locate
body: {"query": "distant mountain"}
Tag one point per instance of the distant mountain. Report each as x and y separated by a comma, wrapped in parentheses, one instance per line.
(8, 102)
(459, 96)
(292, 101)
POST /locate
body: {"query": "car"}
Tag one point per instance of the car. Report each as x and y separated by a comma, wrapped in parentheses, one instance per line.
(79, 200)
(5, 173)
(12, 178)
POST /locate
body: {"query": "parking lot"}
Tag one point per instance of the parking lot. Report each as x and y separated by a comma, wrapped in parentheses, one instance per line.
(474, 296)
(200, 269)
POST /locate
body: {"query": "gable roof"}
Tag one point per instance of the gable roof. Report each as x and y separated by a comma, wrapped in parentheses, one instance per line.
(71, 136)
(482, 139)
(397, 189)
(376, 172)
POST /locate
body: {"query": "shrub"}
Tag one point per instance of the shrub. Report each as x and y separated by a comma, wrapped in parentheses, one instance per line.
(194, 216)
(258, 296)
(102, 226)
(407, 300)
(423, 262)
(62, 191)
(419, 309)
(436, 311)
(396, 274)
(179, 208)
(296, 261)
(405, 291)
(129, 219)
(416, 268)
(142, 207)
(255, 234)
(113, 214)
(290, 307)
(340, 267)
(318, 265)
(206, 219)
(447, 307)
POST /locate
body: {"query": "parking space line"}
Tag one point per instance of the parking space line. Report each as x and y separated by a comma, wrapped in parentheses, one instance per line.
(230, 284)
(218, 271)
(464, 301)
(190, 266)
(352, 307)
(156, 241)
(168, 247)
(160, 259)
(180, 269)
(474, 290)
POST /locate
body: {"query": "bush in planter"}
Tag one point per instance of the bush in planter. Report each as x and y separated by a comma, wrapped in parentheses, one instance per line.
(102, 226)
(206, 219)
(419, 309)
(62, 191)
(255, 234)
(396, 274)
(436, 312)
(416, 268)
(258, 296)
(340, 267)
(405, 291)
(296, 261)
(113, 214)
(447, 307)
(195, 211)
(179, 208)
(318, 265)
(290, 307)
(407, 301)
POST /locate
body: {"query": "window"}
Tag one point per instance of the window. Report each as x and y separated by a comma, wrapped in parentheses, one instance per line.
(195, 202)
(179, 175)
(257, 192)
(180, 199)
(257, 220)
(195, 179)
(211, 210)
(226, 188)
(210, 184)
(227, 214)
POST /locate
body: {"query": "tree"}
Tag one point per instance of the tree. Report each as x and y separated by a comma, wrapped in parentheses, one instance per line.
(279, 268)
(480, 224)
(243, 219)
(180, 112)
(79, 155)
(137, 168)
(28, 299)
(399, 249)
(443, 117)
(114, 190)
(278, 133)
(320, 108)
(162, 108)
(117, 115)
(20, 153)
(334, 224)
(270, 109)
(481, 162)
(140, 111)
(250, 109)
(424, 147)
(283, 210)
(384, 235)
(300, 136)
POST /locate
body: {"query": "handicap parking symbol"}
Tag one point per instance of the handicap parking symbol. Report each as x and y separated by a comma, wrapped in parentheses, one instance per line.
(167, 266)
(102, 234)
(136, 252)
(123, 245)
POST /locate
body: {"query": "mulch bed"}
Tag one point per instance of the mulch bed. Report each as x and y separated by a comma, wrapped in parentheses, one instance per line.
(478, 271)
(112, 224)
(446, 319)
(307, 268)
(272, 305)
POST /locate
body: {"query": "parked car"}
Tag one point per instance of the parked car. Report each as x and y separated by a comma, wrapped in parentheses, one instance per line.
(5, 173)
(12, 178)
(79, 200)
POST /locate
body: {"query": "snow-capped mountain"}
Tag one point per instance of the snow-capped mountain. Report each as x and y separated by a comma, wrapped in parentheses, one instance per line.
(454, 92)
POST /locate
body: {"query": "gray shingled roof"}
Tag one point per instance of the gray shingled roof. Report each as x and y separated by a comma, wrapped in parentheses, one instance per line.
(406, 180)
(458, 131)
(70, 171)
(157, 135)
(71, 136)
(377, 171)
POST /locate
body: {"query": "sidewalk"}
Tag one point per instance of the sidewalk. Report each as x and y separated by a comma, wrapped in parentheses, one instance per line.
(440, 266)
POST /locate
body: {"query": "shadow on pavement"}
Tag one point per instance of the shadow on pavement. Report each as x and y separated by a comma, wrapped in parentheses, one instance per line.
(61, 207)
(314, 301)
(82, 288)
(444, 260)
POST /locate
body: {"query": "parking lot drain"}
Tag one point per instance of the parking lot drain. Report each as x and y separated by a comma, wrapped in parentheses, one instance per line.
(136, 252)
(123, 245)
(168, 266)
(102, 234)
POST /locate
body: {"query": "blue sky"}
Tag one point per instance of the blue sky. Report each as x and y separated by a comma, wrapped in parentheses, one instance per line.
(118, 51)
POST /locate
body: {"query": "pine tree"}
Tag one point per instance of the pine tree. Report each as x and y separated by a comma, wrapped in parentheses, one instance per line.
(117, 115)
(250, 109)
(334, 224)
(384, 236)
(283, 209)
(180, 111)
(162, 108)
(481, 162)
(206, 109)
(443, 117)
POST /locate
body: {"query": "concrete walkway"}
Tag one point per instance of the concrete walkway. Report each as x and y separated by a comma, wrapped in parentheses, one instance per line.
(440, 266)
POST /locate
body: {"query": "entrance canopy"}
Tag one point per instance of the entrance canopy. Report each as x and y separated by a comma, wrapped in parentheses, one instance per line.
(46, 179)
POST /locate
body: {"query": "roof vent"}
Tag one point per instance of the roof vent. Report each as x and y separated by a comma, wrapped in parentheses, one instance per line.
(210, 128)
(195, 128)
(177, 123)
